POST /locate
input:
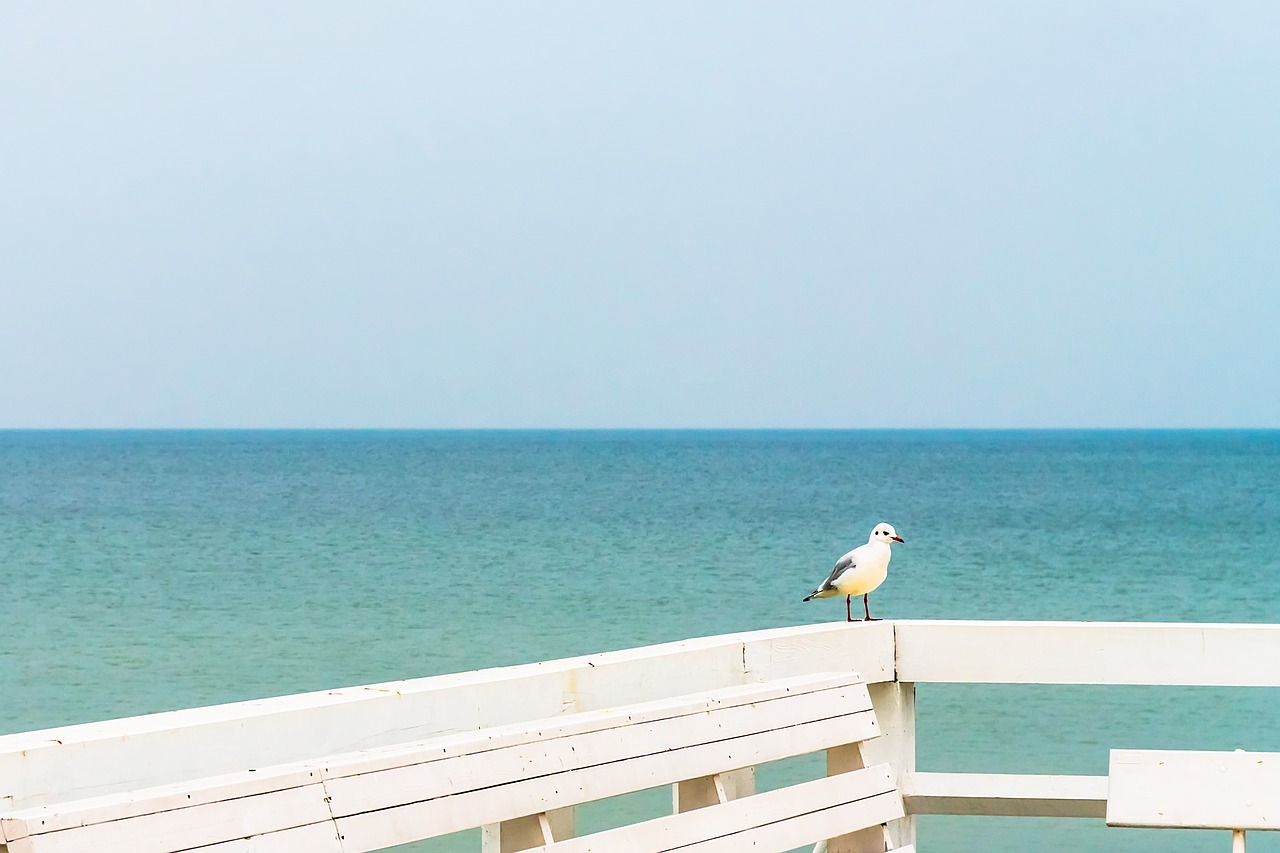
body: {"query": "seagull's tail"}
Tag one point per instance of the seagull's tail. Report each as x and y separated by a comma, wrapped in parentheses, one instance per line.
(823, 591)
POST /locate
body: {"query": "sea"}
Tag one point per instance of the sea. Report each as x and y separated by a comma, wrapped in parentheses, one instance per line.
(145, 571)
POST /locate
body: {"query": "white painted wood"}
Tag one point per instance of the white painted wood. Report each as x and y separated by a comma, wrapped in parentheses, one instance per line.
(1194, 790)
(1237, 841)
(315, 838)
(190, 796)
(573, 770)
(382, 797)
(212, 823)
(847, 759)
(524, 832)
(433, 720)
(1088, 653)
(895, 707)
(140, 752)
(1005, 794)
(417, 771)
(87, 760)
(773, 821)
(544, 825)
(865, 647)
(690, 794)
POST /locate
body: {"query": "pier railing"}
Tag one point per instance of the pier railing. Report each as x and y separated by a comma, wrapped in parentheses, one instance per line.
(97, 759)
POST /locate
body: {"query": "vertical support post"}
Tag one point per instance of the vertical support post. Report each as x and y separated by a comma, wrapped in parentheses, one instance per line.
(523, 833)
(700, 792)
(1237, 841)
(842, 759)
(895, 707)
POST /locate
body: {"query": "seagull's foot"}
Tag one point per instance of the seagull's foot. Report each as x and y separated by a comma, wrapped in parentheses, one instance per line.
(871, 619)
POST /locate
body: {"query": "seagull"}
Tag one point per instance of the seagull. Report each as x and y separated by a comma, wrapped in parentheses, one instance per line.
(860, 571)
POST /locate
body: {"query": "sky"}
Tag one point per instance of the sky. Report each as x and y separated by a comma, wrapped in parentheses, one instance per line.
(659, 214)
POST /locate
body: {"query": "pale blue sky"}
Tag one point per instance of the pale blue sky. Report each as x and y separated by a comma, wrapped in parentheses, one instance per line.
(684, 214)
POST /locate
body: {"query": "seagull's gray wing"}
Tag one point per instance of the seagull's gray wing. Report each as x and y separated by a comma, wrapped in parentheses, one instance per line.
(845, 564)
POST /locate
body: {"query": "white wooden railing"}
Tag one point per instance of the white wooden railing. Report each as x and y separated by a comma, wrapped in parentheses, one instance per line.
(75, 762)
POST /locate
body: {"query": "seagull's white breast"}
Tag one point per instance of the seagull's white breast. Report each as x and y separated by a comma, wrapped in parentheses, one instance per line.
(871, 567)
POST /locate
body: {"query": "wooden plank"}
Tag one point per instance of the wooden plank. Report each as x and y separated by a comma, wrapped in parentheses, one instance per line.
(226, 822)
(895, 707)
(526, 831)
(92, 759)
(845, 759)
(1089, 653)
(847, 685)
(865, 647)
(773, 821)
(150, 801)
(356, 783)
(1005, 795)
(703, 791)
(679, 737)
(1194, 790)
(317, 838)
(557, 779)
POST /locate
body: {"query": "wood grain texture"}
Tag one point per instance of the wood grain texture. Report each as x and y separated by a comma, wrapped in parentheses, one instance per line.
(1194, 790)
(75, 762)
(380, 797)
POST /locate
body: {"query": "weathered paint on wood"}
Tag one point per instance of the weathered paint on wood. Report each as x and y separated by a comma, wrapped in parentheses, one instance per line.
(141, 752)
(773, 821)
(284, 735)
(381, 797)
(1088, 653)
(1194, 790)
(528, 831)
(178, 816)
(690, 794)
(847, 759)
(1005, 794)
(895, 706)
(418, 800)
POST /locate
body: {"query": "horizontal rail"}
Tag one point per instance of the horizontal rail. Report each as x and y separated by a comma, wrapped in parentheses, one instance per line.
(139, 752)
(1005, 795)
(1088, 653)
(374, 799)
(157, 749)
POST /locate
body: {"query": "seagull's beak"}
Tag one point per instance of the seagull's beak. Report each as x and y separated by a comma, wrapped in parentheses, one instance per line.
(897, 538)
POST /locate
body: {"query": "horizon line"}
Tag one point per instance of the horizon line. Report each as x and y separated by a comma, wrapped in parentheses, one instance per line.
(596, 429)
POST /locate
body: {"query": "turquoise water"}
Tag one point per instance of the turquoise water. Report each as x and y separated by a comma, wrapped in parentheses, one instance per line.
(145, 571)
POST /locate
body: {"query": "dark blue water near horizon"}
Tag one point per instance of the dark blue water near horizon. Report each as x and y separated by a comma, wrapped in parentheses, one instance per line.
(151, 570)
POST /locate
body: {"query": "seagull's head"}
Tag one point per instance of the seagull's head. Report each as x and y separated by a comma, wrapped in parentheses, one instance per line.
(885, 533)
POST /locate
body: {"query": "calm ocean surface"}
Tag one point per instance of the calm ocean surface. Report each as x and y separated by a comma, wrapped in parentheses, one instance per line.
(145, 571)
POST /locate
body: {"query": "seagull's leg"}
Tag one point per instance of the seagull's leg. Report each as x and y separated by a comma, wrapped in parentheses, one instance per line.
(848, 614)
(867, 608)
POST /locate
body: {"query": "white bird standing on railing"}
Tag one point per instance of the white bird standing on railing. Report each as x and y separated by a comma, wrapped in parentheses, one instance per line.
(860, 571)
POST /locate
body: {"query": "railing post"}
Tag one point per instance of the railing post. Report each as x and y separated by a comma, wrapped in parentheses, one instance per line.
(895, 707)
(696, 793)
(843, 759)
(523, 833)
